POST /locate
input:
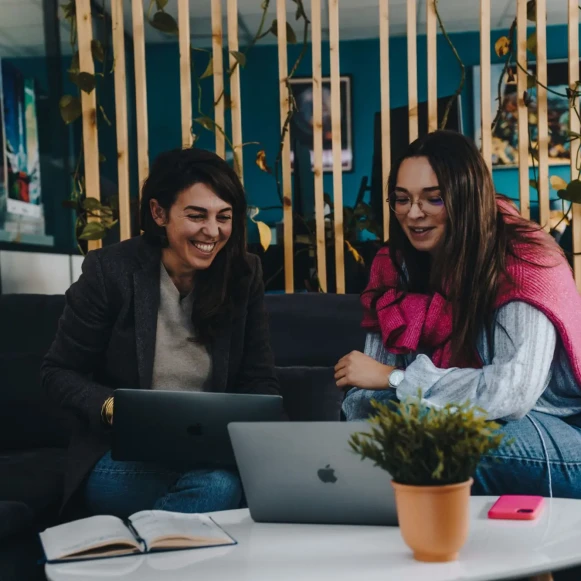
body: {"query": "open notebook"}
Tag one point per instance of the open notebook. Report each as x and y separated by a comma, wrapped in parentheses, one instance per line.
(147, 531)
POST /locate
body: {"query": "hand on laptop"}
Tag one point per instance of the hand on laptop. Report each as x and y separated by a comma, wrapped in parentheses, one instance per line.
(359, 370)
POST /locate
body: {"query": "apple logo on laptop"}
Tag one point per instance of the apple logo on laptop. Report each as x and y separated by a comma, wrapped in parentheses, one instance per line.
(195, 430)
(327, 474)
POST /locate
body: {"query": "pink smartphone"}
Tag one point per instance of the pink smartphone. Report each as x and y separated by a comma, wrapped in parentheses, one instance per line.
(517, 507)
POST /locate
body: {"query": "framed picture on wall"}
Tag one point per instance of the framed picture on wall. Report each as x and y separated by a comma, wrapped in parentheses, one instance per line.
(505, 134)
(302, 121)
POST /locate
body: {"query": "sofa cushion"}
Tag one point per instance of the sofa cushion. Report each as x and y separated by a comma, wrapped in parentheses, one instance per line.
(27, 418)
(34, 477)
(15, 517)
(314, 329)
(310, 393)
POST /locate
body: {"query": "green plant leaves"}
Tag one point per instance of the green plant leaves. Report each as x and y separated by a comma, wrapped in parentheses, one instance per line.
(240, 57)
(70, 108)
(572, 193)
(205, 122)
(209, 69)
(97, 50)
(291, 37)
(420, 445)
(85, 81)
(161, 4)
(532, 43)
(164, 22)
(93, 231)
(532, 10)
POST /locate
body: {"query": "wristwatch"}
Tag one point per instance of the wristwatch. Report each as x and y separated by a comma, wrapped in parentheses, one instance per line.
(395, 377)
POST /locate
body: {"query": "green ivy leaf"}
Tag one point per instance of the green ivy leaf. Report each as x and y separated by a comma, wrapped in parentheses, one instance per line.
(533, 184)
(85, 81)
(164, 22)
(93, 231)
(240, 57)
(572, 193)
(75, 67)
(205, 122)
(209, 69)
(532, 43)
(70, 108)
(532, 10)
(291, 37)
(161, 4)
(91, 204)
(97, 50)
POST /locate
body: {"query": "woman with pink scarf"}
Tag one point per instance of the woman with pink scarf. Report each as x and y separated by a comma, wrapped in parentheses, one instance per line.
(471, 302)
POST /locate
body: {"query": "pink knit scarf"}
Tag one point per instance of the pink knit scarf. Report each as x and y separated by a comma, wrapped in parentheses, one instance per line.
(421, 320)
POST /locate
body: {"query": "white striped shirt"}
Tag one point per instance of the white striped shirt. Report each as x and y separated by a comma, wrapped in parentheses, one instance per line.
(525, 369)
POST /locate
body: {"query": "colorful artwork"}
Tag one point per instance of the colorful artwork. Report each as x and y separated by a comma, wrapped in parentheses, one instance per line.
(505, 134)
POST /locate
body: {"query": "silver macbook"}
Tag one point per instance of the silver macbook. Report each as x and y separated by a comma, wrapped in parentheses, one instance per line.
(305, 472)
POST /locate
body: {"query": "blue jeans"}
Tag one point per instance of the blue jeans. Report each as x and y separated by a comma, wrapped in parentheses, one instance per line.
(517, 468)
(122, 488)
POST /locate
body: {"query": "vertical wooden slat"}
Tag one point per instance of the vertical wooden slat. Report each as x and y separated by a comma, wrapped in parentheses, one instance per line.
(89, 106)
(235, 110)
(218, 76)
(185, 72)
(318, 143)
(336, 144)
(140, 92)
(542, 115)
(485, 104)
(385, 108)
(412, 37)
(523, 113)
(432, 62)
(286, 164)
(574, 126)
(121, 118)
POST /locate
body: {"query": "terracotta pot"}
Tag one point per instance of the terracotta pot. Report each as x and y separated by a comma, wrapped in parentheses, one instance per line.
(434, 520)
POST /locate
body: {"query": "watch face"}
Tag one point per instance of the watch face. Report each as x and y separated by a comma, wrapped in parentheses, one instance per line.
(396, 377)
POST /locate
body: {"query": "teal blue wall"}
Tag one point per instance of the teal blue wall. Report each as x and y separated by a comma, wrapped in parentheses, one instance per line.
(360, 59)
(260, 104)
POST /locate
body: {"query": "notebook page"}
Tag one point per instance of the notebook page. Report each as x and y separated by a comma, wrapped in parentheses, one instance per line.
(85, 534)
(155, 525)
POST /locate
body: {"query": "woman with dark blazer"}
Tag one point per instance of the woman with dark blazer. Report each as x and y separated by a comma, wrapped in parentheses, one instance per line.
(179, 307)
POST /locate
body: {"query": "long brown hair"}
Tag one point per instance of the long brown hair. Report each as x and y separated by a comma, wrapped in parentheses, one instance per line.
(472, 264)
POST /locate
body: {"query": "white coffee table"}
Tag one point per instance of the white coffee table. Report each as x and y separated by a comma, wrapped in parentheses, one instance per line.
(265, 552)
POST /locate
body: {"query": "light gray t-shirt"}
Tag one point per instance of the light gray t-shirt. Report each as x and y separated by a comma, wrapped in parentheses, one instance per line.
(180, 363)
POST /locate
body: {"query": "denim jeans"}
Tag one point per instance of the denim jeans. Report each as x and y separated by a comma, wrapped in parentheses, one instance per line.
(122, 488)
(518, 468)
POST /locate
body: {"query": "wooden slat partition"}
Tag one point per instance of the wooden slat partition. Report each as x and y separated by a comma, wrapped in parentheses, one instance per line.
(431, 30)
(523, 113)
(89, 107)
(218, 77)
(542, 115)
(574, 126)
(412, 38)
(235, 110)
(385, 108)
(185, 72)
(336, 144)
(485, 104)
(121, 118)
(286, 163)
(140, 91)
(318, 143)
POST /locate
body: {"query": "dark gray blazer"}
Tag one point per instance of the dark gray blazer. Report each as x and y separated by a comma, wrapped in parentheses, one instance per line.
(106, 340)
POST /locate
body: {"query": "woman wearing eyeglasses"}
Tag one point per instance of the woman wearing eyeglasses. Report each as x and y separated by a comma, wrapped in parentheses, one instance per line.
(471, 302)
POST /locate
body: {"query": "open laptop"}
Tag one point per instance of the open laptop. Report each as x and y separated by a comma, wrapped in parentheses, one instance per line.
(306, 472)
(184, 429)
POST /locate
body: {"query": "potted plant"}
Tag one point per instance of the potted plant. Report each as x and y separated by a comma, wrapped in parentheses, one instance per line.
(431, 455)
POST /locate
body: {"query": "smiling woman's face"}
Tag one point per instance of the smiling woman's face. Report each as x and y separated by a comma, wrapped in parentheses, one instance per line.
(198, 225)
(417, 184)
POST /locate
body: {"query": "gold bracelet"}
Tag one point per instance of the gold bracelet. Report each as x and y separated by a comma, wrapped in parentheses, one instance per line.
(107, 411)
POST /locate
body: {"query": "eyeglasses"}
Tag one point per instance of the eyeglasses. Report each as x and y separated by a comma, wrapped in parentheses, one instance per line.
(401, 204)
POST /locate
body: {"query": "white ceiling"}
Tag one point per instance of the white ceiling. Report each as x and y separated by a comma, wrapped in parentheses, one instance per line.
(22, 33)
